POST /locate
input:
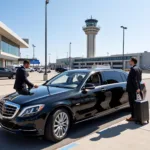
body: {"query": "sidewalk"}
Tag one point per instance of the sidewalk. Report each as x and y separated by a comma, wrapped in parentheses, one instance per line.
(146, 76)
(123, 135)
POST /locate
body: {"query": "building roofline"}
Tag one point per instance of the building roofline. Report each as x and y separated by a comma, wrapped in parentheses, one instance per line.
(9, 34)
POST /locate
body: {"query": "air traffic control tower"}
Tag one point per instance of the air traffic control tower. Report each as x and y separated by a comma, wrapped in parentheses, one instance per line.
(91, 29)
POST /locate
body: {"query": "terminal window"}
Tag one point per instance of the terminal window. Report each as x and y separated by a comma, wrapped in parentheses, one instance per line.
(9, 47)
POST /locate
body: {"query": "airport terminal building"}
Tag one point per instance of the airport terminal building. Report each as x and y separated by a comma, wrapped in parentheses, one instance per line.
(10, 44)
(115, 61)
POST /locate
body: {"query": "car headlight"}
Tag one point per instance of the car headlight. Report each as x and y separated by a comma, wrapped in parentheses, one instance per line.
(31, 110)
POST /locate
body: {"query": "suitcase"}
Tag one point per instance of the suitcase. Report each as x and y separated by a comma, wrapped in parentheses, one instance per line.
(141, 111)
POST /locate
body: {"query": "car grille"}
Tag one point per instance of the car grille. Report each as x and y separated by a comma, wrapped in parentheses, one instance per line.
(8, 109)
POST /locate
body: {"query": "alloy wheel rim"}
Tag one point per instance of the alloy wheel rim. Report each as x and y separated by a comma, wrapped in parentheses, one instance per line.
(61, 125)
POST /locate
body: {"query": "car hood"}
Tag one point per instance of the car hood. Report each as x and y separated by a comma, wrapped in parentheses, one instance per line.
(35, 94)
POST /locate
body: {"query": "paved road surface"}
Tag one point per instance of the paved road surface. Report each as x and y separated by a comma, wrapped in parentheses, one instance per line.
(15, 142)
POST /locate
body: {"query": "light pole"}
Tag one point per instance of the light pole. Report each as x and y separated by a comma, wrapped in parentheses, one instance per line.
(49, 59)
(124, 28)
(45, 74)
(67, 59)
(67, 54)
(70, 55)
(82, 61)
(33, 52)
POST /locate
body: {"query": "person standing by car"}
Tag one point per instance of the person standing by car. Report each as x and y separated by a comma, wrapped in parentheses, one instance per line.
(21, 80)
(133, 85)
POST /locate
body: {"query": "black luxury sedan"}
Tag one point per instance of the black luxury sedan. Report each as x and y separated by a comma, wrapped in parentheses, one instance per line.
(70, 97)
(5, 72)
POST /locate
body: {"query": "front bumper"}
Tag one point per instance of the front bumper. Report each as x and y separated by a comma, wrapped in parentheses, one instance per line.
(33, 126)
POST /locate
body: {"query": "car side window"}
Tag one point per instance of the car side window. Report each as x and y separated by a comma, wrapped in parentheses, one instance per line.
(94, 79)
(111, 77)
(78, 77)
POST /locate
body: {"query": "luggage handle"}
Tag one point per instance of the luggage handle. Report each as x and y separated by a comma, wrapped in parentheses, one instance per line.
(138, 97)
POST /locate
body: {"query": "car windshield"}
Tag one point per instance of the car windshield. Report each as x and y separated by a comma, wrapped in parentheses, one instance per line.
(68, 80)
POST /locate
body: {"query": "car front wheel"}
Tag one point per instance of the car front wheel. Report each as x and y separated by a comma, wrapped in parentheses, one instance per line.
(57, 125)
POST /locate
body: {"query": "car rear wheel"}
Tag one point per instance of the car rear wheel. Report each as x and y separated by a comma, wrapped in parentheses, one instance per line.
(57, 125)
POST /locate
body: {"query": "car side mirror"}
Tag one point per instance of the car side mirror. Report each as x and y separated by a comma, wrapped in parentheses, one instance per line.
(89, 86)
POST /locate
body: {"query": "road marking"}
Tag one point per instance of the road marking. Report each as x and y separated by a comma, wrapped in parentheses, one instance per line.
(68, 147)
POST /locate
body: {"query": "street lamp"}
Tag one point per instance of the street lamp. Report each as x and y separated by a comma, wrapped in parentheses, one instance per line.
(70, 55)
(33, 53)
(82, 61)
(45, 74)
(33, 50)
(124, 28)
(49, 59)
(67, 59)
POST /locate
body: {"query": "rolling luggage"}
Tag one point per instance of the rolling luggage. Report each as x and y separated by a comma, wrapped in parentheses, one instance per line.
(141, 111)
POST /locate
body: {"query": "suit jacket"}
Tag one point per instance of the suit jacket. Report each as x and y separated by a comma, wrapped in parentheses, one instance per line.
(21, 80)
(134, 79)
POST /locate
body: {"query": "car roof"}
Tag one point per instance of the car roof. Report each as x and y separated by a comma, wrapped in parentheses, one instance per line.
(95, 70)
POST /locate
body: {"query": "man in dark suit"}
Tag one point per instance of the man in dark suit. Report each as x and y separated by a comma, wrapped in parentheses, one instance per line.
(21, 80)
(133, 84)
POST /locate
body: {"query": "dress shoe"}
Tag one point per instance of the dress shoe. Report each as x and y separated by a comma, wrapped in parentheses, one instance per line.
(130, 119)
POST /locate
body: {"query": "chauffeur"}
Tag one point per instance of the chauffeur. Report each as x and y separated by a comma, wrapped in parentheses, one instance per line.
(133, 84)
(21, 80)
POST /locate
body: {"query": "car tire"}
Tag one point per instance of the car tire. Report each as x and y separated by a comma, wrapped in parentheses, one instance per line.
(56, 129)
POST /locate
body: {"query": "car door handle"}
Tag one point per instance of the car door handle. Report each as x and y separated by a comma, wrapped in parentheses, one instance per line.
(103, 89)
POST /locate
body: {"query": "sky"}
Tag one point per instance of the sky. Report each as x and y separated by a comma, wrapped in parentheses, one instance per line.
(66, 19)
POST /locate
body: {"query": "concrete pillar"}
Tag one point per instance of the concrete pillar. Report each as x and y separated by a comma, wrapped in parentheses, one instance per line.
(0, 44)
(3, 63)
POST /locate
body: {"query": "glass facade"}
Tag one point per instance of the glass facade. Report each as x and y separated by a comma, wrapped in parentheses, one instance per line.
(10, 47)
(103, 59)
(91, 24)
(117, 63)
